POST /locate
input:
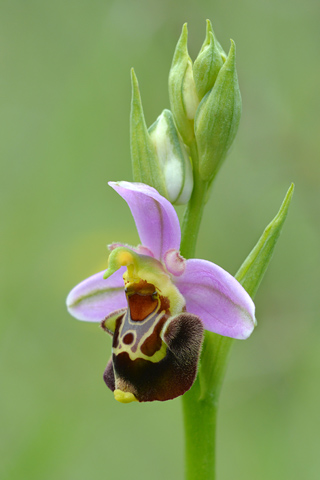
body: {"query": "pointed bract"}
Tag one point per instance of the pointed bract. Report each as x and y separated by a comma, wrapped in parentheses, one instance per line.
(218, 118)
(145, 163)
(183, 96)
(253, 268)
(208, 63)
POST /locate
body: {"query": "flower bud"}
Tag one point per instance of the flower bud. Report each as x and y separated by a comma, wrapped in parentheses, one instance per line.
(145, 165)
(218, 118)
(208, 63)
(183, 96)
(173, 158)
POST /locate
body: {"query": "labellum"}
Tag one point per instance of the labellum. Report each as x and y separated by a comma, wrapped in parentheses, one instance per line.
(154, 355)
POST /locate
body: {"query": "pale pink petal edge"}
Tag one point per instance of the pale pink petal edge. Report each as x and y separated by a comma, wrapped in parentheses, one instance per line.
(156, 219)
(217, 298)
(95, 298)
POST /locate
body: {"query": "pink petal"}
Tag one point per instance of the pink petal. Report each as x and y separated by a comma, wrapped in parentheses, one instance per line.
(156, 220)
(217, 298)
(95, 298)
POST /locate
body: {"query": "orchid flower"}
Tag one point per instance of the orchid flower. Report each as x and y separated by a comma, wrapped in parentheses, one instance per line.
(155, 304)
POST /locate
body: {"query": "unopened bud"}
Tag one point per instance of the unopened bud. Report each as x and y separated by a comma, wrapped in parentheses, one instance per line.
(218, 118)
(208, 63)
(173, 158)
(183, 96)
(145, 165)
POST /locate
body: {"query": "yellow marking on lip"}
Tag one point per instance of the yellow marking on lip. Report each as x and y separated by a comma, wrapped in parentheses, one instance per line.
(122, 347)
(124, 397)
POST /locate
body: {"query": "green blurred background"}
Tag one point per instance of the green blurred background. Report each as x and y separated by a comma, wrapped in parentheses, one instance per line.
(64, 113)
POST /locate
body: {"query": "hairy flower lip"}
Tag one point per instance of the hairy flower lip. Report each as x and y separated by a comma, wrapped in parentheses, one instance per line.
(210, 292)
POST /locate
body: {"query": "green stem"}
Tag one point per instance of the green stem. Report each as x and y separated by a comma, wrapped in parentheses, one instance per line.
(200, 403)
(200, 426)
(200, 408)
(200, 412)
(193, 214)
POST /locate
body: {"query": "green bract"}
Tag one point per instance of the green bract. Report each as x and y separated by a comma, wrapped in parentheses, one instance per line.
(145, 165)
(159, 157)
(218, 118)
(183, 95)
(208, 63)
(254, 267)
